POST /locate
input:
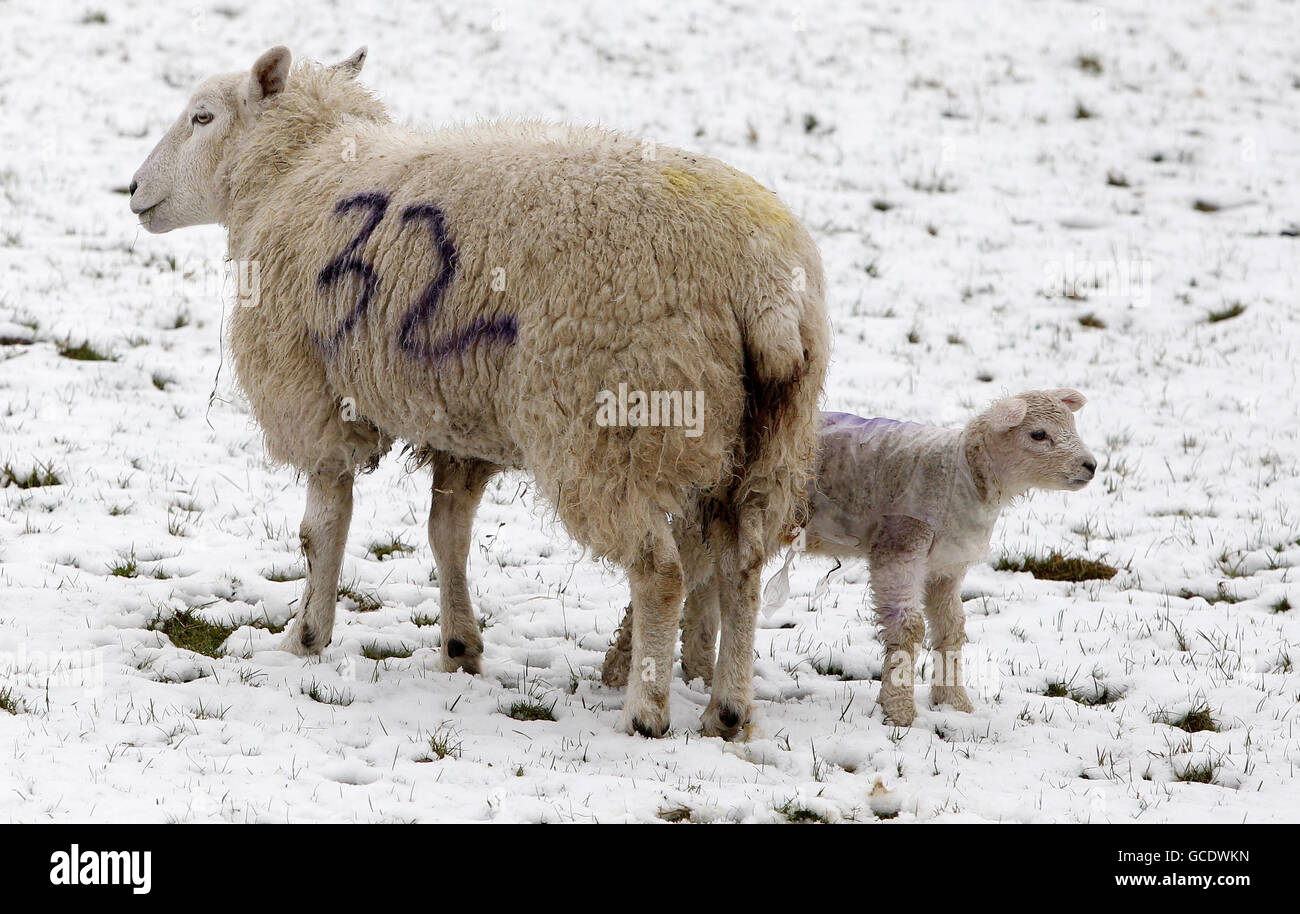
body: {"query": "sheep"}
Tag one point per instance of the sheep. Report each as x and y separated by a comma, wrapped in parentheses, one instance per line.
(472, 291)
(919, 503)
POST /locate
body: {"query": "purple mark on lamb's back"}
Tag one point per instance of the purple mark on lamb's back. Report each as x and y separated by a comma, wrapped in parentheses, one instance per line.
(877, 422)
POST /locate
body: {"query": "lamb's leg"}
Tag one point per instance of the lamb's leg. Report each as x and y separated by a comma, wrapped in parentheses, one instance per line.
(737, 579)
(897, 578)
(700, 631)
(457, 489)
(700, 627)
(699, 640)
(657, 591)
(947, 621)
(619, 656)
(324, 532)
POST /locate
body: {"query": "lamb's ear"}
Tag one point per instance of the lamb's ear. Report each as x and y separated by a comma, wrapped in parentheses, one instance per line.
(1071, 398)
(352, 66)
(1006, 414)
(269, 74)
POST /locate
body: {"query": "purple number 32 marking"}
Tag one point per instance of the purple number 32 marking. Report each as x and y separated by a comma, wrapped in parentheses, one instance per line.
(503, 329)
(497, 330)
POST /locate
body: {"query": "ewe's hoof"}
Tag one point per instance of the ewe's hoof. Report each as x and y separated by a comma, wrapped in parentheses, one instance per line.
(459, 656)
(652, 730)
(955, 697)
(302, 641)
(649, 722)
(723, 720)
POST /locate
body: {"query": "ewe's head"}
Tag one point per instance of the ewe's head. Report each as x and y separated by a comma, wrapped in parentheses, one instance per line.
(1031, 443)
(181, 182)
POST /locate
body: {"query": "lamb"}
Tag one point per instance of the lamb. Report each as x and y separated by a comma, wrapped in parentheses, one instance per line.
(473, 291)
(919, 503)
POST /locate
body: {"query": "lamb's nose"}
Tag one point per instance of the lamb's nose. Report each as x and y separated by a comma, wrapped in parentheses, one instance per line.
(1090, 466)
(134, 185)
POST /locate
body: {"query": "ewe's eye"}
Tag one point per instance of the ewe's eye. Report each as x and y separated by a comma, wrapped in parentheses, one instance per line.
(1038, 435)
(203, 117)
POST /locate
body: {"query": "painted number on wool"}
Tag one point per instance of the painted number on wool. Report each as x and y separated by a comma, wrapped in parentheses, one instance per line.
(501, 329)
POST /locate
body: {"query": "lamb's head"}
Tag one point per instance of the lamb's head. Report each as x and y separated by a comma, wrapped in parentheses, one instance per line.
(181, 182)
(1029, 442)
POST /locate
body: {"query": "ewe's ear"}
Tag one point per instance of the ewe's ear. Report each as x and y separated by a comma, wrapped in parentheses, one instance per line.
(352, 66)
(1071, 398)
(1006, 414)
(269, 74)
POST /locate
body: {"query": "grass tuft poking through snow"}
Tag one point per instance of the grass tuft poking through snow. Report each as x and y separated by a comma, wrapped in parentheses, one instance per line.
(443, 743)
(380, 652)
(189, 632)
(10, 703)
(1196, 720)
(796, 814)
(1057, 567)
(532, 709)
(1236, 309)
(84, 352)
(39, 476)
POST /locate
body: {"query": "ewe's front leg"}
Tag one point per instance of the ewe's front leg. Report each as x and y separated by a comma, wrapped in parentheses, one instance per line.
(897, 577)
(947, 620)
(324, 532)
(457, 489)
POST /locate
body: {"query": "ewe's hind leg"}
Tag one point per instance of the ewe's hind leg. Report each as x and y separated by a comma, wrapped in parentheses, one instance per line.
(700, 632)
(324, 532)
(737, 583)
(457, 489)
(657, 591)
(947, 620)
(897, 578)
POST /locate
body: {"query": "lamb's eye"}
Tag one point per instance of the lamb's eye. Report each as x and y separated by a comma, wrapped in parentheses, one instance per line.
(1038, 435)
(203, 117)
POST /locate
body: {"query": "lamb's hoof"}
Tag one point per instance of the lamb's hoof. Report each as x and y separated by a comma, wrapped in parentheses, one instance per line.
(954, 697)
(723, 720)
(692, 672)
(649, 722)
(900, 710)
(457, 655)
(302, 641)
(615, 669)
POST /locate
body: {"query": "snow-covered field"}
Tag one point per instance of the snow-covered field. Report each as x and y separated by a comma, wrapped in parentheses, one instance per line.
(979, 178)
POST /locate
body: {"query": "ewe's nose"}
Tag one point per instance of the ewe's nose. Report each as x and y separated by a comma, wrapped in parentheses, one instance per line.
(1091, 466)
(134, 185)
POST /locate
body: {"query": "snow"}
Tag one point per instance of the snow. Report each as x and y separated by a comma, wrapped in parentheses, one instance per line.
(967, 218)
